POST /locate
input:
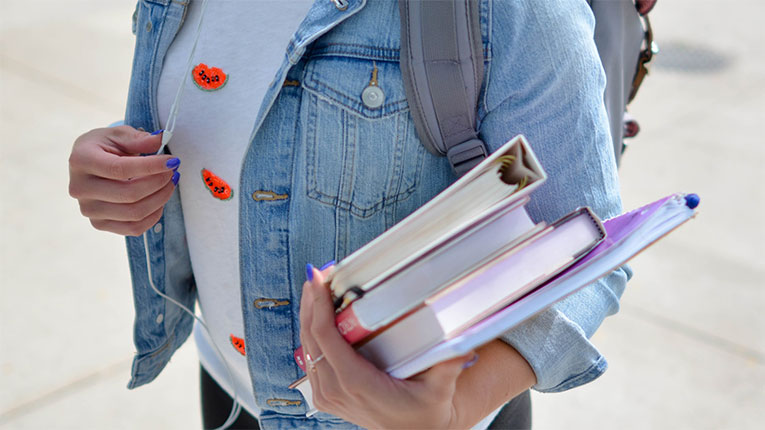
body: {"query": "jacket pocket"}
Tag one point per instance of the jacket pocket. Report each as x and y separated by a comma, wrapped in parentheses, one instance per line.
(360, 157)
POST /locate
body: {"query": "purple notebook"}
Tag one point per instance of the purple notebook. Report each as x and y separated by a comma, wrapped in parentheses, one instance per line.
(619, 227)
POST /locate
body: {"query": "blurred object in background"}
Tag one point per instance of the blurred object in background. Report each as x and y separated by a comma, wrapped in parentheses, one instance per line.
(624, 39)
(645, 6)
(631, 127)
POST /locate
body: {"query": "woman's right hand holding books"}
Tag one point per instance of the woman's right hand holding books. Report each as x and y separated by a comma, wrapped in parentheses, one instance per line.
(347, 385)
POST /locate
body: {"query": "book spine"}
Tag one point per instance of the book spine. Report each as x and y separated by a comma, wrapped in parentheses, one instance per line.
(350, 327)
(404, 339)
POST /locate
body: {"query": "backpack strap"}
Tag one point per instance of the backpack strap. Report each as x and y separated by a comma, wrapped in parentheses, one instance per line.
(442, 69)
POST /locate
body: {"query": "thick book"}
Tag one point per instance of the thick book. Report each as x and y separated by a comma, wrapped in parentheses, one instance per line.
(487, 289)
(505, 177)
(409, 287)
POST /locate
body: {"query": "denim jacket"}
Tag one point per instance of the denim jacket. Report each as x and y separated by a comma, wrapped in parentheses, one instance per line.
(324, 174)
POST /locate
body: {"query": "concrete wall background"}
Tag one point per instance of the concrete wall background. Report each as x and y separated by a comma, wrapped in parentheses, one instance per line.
(687, 349)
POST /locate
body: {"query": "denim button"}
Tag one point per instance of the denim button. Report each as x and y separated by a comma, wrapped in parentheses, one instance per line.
(261, 195)
(160, 318)
(373, 97)
(158, 227)
(269, 303)
(283, 402)
(341, 4)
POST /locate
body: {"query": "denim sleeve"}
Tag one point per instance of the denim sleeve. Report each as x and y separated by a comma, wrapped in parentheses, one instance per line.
(545, 81)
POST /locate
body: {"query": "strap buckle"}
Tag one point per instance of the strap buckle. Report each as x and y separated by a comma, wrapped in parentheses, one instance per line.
(466, 155)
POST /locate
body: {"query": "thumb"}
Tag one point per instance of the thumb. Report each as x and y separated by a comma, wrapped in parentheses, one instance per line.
(134, 142)
(445, 374)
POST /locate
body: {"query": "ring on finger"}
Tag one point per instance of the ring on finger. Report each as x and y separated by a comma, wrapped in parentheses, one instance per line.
(311, 362)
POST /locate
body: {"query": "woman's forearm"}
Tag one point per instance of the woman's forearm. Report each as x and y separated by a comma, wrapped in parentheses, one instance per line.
(500, 374)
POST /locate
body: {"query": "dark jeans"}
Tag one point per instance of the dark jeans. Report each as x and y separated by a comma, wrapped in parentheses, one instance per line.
(216, 405)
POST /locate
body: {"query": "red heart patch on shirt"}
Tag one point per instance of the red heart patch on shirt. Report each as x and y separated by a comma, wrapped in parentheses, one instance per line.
(237, 343)
(208, 78)
(217, 186)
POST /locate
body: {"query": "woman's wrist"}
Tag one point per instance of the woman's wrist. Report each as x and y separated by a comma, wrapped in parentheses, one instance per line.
(499, 375)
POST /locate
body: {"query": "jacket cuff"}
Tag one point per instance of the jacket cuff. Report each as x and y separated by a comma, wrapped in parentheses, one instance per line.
(555, 342)
(557, 350)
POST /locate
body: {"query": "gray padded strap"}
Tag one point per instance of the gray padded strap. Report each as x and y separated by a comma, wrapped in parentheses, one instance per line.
(442, 68)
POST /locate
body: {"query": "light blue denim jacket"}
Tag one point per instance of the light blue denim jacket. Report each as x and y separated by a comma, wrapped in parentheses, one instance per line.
(324, 174)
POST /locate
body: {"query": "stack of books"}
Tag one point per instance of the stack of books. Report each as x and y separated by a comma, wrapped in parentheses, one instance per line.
(471, 264)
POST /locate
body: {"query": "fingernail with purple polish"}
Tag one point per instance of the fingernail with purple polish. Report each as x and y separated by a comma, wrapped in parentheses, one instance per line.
(309, 271)
(327, 265)
(469, 364)
(173, 163)
(176, 177)
(158, 132)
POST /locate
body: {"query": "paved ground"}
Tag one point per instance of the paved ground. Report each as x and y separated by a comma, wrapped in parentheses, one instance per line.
(687, 351)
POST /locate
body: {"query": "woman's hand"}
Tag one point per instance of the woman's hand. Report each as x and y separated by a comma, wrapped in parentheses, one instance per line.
(347, 385)
(119, 190)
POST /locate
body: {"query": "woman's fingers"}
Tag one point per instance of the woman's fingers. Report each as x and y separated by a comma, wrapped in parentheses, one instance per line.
(347, 385)
(115, 154)
(323, 379)
(109, 190)
(441, 379)
(107, 165)
(95, 209)
(117, 188)
(133, 228)
(130, 141)
(351, 369)
(306, 312)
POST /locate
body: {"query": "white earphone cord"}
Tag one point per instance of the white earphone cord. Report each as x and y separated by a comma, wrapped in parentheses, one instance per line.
(170, 126)
(236, 408)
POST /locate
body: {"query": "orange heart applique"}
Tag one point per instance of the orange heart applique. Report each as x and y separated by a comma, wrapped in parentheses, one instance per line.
(238, 343)
(217, 186)
(208, 78)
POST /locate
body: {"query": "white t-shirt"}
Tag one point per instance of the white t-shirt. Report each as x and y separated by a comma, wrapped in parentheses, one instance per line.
(245, 40)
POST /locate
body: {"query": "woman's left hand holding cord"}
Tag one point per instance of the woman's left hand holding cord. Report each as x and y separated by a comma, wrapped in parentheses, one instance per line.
(347, 385)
